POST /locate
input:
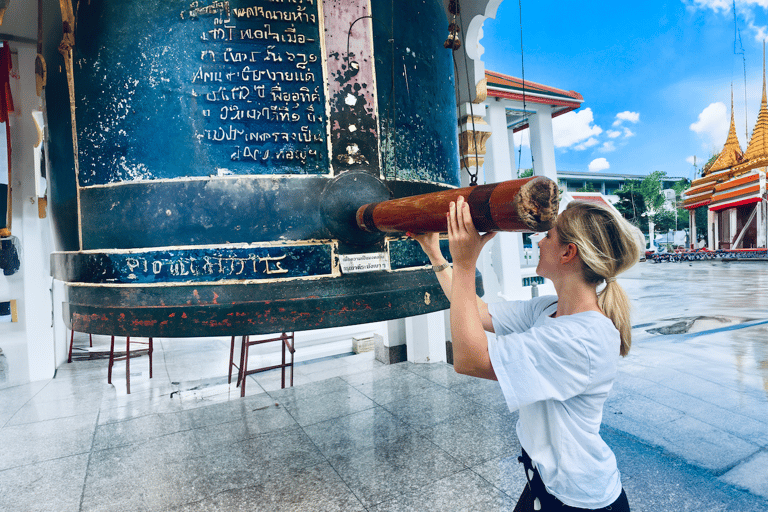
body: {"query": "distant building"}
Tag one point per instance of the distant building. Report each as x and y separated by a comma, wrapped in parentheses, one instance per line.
(733, 189)
(605, 183)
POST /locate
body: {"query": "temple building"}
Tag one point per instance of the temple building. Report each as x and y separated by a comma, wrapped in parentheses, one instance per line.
(733, 189)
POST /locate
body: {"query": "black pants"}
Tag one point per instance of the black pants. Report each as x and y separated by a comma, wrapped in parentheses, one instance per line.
(536, 498)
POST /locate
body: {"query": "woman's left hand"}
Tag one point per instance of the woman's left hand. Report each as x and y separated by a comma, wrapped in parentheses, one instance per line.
(464, 241)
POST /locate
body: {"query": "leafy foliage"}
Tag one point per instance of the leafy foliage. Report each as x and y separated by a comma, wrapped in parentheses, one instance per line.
(631, 202)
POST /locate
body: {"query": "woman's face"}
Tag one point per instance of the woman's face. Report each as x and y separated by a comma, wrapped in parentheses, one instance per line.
(549, 255)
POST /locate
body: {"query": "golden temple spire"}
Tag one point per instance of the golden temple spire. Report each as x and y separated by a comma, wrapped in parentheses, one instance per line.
(757, 151)
(731, 154)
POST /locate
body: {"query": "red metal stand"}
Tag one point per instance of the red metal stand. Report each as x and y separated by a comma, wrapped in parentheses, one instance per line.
(72, 342)
(127, 358)
(287, 340)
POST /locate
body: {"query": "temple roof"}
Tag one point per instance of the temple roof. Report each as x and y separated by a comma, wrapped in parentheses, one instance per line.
(757, 151)
(507, 87)
(535, 93)
(731, 154)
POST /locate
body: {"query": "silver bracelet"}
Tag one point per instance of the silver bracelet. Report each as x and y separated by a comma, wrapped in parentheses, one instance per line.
(440, 268)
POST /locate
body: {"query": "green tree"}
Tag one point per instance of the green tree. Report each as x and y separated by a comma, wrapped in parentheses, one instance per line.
(650, 188)
(589, 187)
(631, 203)
(525, 173)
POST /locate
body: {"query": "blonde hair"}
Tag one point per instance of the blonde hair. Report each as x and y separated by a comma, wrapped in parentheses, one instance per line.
(607, 247)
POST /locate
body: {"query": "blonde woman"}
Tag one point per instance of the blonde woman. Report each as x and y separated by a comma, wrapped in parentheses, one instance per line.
(555, 357)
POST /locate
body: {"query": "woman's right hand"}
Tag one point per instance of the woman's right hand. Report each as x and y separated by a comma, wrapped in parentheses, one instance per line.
(430, 244)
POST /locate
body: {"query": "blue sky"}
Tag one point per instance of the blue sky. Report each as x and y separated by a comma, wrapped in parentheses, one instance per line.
(656, 77)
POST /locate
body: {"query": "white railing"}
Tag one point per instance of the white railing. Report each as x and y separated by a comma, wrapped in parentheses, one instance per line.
(529, 256)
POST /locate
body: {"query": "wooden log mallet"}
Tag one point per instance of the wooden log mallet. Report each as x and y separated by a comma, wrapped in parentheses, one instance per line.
(528, 205)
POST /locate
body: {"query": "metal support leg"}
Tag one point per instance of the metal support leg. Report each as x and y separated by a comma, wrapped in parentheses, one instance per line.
(231, 357)
(128, 364)
(71, 343)
(111, 360)
(151, 349)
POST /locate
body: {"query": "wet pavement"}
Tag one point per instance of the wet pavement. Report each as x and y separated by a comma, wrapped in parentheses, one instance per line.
(688, 420)
(696, 382)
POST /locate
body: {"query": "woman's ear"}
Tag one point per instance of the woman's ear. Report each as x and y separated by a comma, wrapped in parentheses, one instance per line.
(569, 253)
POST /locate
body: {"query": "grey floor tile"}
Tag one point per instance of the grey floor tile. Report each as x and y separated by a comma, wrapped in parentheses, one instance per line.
(317, 488)
(312, 390)
(327, 406)
(751, 474)
(382, 372)
(358, 431)
(484, 392)
(51, 486)
(46, 440)
(460, 492)
(179, 468)
(430, 408)
(440, 373)
(36, 410)
(405, 465)
(135, 430)
(396, 386)
(13, 398)
(505, 473)
(462, 439)
(706, 445)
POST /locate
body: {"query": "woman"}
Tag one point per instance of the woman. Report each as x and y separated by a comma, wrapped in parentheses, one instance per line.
(555, 357)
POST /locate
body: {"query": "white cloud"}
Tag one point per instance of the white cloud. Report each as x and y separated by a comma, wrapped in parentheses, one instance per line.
(574, 127)
(712, 124)
(715, 5)
(598, 164)
(522, 137)
(613, 133)
(630, 117)
(628, 133)
(745, 9)
(586, 144)
(761, 32)
(691, 159)
(608, 146)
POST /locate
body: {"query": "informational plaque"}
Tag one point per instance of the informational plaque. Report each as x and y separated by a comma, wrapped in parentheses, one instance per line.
(200, 89)
(369, 262)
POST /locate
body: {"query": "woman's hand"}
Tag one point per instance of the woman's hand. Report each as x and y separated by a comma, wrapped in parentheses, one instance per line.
(464, 241)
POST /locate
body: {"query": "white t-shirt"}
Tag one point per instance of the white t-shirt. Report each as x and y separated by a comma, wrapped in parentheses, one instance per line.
(558, 372)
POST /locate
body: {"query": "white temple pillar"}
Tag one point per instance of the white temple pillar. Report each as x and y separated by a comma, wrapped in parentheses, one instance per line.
(734, 223)
(34, 298)
(692, 229)
(543, 142)
(425, 337)
(713, 219)
(504, 258)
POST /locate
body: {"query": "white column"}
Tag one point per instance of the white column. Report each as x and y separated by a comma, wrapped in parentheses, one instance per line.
(543, 142)
(505, 248)
(425, 337)
(35, 302)
(733, 219)
(713, 229)
(692, 228)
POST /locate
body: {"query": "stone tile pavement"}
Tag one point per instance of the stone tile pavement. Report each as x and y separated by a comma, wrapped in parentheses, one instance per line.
(688, 420)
